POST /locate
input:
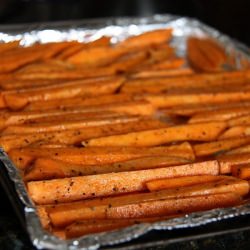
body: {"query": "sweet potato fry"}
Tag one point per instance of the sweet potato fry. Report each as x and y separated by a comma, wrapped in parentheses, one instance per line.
(237, 131)
(11, 62)
(51, 50)
(205, 54)
(75, 136)
(239, 121)
(197, 132)
(97, 56)
(45, 168)
(64, 125)
(84, 227)
(138, 208)
(241, 171)
(43, 216)
(26, 117)
(48, 66)
(240, 150)
(59, 233)
(159, 57)
(221, 146)
(72, 116)
(95, 226)
(142, 108)
(128, 62)
(66, 213)
(172, 100)
(65, 90)
(162, 73)
(220, 115)
(165, 64)
(80, 101)
(49, 145)
(193, 109)
(65, 75)
(14, 84)
(184, 181)
(232, 78)
(76, 47)
(97, 155)
(4, 47)
(227, 161)
(173, 206)
(146, 39)
(83, 187)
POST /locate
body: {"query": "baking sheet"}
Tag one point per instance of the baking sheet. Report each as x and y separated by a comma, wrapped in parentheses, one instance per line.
(118, 29)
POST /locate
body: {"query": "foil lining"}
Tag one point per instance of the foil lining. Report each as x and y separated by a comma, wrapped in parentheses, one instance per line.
(118, 29)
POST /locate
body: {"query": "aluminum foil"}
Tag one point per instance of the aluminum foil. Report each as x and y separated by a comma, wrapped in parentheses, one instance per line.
(118, 29)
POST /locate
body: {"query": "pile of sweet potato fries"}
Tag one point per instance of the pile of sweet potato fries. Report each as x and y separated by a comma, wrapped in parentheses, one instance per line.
(110, 135)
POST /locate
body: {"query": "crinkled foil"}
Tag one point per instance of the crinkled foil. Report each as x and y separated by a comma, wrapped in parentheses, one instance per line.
(118, 29)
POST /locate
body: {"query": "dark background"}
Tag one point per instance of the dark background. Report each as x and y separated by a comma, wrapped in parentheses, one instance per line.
(229, 16)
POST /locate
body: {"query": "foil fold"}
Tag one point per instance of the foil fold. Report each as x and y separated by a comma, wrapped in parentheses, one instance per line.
(118, 29)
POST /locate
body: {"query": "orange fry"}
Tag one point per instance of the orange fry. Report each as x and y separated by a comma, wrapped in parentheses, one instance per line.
(97, 155)
(45, 168)
(197, 132)
(83, 187)
(221, 146)
(59, 125)
(241, 171)
(16, 100)
(80, 101)
(172, 100)
(184, 181)
(147, 39)
(63, 214)
(75, 136)
(220, 115)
